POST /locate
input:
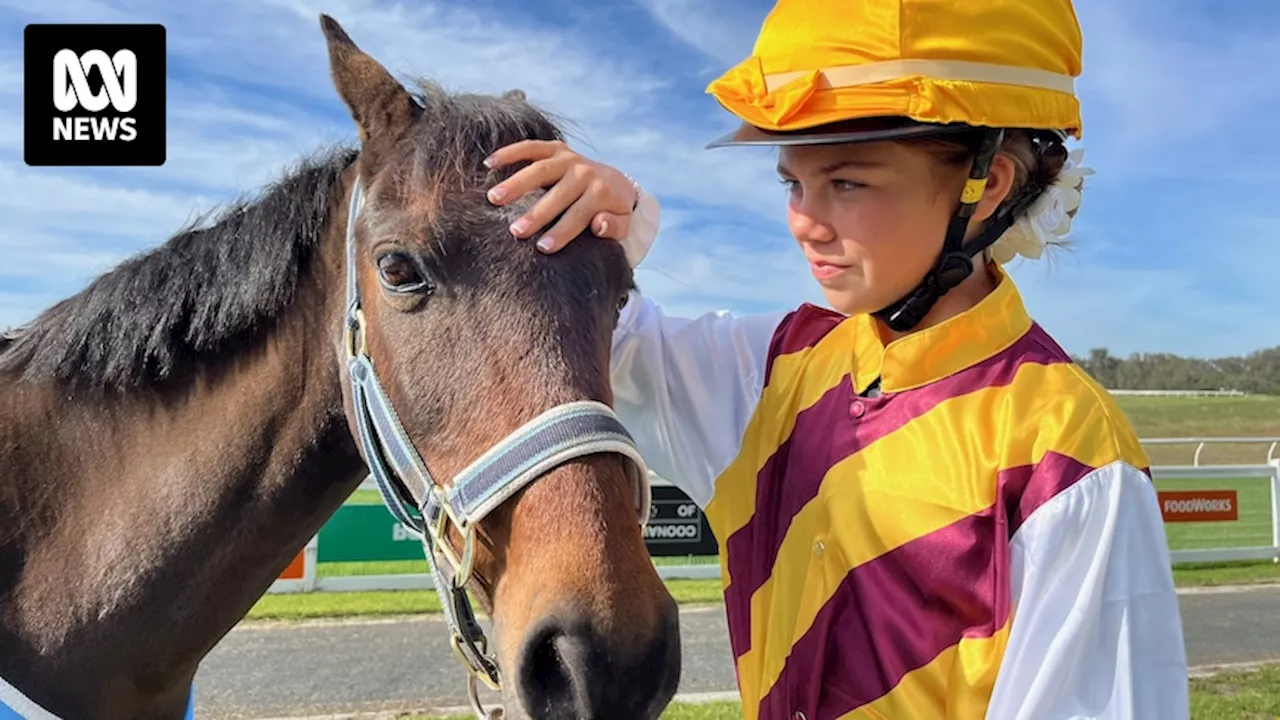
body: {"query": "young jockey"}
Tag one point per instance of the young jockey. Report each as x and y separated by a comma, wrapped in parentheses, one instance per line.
(924, 509)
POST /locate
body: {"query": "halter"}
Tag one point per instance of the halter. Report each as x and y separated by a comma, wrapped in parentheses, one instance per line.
(14, 705)
(558, 435)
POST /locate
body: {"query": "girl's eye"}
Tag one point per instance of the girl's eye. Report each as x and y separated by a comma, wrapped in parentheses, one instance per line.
(791, 185)
(846, 185)
(399, 274)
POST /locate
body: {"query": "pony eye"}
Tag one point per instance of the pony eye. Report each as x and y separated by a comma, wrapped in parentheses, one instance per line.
(398, 273)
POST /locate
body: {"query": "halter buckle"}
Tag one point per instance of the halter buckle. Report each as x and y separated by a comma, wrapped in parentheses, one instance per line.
(353, 333)
(438, 527)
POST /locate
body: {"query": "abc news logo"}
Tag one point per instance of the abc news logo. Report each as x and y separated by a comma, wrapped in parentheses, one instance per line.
(94, 95)
(71, 91)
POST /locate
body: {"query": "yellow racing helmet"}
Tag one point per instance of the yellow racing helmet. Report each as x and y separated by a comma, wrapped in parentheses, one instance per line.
(824, 72)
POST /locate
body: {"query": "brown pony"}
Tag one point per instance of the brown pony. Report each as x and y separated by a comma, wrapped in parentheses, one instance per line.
(171, 436)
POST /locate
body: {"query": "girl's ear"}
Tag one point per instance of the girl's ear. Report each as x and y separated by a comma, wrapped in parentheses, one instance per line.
(1000, 180)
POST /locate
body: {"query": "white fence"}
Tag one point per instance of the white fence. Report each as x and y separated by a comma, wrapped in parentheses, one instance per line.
(1200, 444)
(1267, 474)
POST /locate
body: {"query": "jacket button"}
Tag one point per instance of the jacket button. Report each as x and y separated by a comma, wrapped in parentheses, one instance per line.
(857, 409)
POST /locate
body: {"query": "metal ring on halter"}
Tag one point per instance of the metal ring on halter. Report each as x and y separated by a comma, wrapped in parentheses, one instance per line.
(437, 526)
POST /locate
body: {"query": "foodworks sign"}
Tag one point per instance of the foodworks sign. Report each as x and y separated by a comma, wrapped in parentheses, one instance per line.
(1199, 505)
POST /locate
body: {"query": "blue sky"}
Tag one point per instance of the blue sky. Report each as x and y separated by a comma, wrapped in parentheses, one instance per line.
(1177, 245)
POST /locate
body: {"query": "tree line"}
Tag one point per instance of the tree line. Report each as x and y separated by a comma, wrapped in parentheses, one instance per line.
(1257, 372)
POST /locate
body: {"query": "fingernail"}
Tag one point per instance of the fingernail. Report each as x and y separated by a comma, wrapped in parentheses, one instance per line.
(496, 193)
(519, 227)
(488, 162)
(604, 227)
(546, 242)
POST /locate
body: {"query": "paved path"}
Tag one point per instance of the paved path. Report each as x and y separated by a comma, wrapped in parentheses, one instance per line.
(329, 668)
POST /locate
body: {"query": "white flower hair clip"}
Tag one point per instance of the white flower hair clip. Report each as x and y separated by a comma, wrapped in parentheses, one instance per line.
(1048, 220)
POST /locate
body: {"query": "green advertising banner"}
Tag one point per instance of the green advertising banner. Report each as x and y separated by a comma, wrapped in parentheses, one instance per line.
(369, 533)
(361, 533)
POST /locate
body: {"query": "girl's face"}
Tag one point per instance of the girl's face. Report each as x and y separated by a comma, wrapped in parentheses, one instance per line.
(871, 217)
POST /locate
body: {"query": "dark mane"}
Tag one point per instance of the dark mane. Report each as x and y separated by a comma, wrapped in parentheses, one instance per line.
(209, 284)
(213, 284)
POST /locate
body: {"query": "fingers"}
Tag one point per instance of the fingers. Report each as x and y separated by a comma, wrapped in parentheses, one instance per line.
(523, 150)
(604, 225)
(571, 224)
(567, 193)
(576, 194)
(545, 167)
(542, 173)
(610, 226)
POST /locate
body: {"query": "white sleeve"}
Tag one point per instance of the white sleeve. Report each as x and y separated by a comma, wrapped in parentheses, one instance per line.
(1096, 628)
(644, 227)
(686, 388)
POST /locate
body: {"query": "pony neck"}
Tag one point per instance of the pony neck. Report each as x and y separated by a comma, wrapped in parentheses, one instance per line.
(136, 531)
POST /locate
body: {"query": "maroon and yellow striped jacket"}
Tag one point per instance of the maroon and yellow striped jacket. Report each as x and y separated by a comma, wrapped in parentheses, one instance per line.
(865, 540)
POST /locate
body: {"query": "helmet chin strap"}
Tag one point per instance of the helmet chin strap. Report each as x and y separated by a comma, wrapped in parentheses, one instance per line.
(955, 263)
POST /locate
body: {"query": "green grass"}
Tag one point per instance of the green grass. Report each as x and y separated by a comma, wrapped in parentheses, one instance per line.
(1252, 695)
(314, 606)
(365, 497)
(382, 603)
(1252, 416)
(1225, 573)
(676, 711)
(402, 567)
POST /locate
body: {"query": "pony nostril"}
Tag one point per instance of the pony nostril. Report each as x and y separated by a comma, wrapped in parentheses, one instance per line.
(567, 670)
(552, 675)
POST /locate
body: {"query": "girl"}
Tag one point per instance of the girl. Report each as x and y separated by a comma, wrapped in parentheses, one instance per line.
(924, 509)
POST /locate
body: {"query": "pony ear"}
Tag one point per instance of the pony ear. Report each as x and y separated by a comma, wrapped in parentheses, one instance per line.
(382, 109)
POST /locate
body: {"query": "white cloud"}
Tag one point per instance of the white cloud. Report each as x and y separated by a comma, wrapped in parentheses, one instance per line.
(698, 266)
(1166, 309)
(722, 30)
(63, 204)
(15, 308)
(250, 93)
(1167, 100)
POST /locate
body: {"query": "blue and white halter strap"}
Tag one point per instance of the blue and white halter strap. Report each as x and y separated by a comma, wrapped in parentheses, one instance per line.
(14, 705)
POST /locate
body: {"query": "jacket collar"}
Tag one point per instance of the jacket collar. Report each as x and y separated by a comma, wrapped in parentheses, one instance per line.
(927, 356)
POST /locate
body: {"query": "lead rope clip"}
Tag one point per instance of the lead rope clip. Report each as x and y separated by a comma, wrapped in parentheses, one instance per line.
(473, 694)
